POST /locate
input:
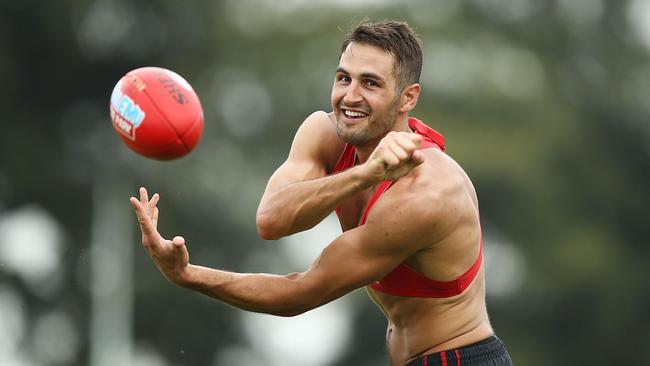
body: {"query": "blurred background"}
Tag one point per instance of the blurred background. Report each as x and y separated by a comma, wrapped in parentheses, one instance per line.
(544, 103)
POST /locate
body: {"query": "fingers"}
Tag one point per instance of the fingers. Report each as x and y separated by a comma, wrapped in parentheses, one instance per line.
(170, 256)
(136, 205)
(145, 221)
(147, 212)
(399, 153)
(410, 142)
(178, 241)
(396, 155)
(417, 140)
(144, 197)
(149, 205)
(417, 158)
(154, 217)
(154, 199)
(392, 158)
(402, 146)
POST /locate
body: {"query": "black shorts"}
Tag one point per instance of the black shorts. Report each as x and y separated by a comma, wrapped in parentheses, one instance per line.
(488, 352)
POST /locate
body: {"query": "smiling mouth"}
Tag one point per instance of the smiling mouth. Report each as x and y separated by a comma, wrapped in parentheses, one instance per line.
(354, 114)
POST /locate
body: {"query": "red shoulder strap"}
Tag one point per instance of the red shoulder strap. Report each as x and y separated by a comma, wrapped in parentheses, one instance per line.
(432, 138)
(383, 186)
(347, 160)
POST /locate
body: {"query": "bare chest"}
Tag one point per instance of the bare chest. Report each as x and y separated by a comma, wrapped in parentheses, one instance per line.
(352, 209)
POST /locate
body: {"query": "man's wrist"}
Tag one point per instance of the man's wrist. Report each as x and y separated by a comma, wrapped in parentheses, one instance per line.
(185, 277)
(364, 179)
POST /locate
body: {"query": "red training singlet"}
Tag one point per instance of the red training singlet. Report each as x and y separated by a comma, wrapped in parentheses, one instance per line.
(404, 280)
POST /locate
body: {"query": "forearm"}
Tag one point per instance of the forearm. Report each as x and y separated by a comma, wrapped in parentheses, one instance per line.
(263, 293)
(301, 205)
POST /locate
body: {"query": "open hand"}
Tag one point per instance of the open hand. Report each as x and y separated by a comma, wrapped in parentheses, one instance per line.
(395, 156)
(170, 256)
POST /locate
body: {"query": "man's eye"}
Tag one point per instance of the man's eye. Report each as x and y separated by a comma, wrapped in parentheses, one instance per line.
(343, 78)
(371, 83)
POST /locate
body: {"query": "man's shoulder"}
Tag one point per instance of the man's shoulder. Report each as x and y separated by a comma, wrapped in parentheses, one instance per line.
(433, 187)
(322, 119)
(317, 134)
(319, 125)
(437, 172)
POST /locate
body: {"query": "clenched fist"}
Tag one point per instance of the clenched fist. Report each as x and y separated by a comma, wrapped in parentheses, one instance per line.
(394, 157)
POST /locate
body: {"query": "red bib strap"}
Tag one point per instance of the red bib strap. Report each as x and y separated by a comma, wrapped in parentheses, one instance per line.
(431, 138)
(404, 280)
(347, 160)
(383, 187)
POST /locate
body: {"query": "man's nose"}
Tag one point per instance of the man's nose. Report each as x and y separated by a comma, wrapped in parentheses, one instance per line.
(353, 93)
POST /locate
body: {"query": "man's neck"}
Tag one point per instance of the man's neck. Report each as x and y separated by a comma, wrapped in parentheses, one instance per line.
(364, 152)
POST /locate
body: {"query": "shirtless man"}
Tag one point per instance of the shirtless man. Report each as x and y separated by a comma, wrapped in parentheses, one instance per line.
(409, 214)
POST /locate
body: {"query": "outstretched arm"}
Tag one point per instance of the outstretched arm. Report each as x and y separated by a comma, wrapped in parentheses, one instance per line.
(355, 259)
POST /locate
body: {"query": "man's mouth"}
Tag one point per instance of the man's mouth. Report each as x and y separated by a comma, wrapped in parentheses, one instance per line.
(354, 114)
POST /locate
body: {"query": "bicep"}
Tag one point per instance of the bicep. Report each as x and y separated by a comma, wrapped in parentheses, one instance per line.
(359, 257)
(295, 170)
(393, 232)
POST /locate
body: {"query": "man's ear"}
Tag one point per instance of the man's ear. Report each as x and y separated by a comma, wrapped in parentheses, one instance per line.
(409, 97)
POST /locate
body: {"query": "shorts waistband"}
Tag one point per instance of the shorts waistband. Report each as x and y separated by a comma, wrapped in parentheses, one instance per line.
(483, 351)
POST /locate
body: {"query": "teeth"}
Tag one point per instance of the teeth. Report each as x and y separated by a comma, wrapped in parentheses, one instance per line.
(354, 114)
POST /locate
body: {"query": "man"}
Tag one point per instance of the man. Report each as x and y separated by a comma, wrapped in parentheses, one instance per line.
(409, 214)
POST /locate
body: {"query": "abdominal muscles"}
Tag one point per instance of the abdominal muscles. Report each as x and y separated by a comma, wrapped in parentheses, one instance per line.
(419, 326)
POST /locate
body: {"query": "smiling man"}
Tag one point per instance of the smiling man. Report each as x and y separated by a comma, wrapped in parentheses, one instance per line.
(409, 215)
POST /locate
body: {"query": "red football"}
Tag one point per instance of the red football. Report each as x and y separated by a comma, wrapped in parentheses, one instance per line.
(156, 113)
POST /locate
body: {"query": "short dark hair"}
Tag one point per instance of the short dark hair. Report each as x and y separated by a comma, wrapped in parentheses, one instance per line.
(396, 38)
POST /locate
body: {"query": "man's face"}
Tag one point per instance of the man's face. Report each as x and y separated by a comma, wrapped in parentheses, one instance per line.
(363, 96)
